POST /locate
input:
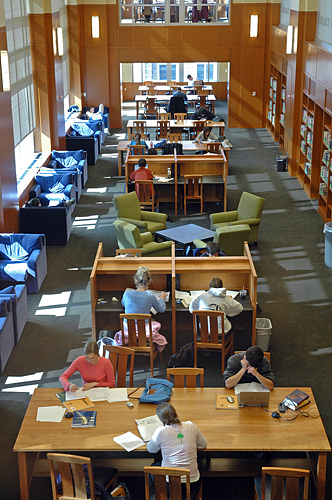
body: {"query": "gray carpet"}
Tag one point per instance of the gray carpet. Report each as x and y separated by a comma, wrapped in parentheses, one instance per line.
(294, 292)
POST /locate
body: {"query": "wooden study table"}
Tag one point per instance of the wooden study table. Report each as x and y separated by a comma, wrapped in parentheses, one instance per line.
(152, 124)
(215, 190)
(110, 276)
(191, 146)
(164, 99)
(243, 430)
(168, 88)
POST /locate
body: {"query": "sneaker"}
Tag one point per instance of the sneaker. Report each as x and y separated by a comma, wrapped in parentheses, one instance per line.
(69, 203)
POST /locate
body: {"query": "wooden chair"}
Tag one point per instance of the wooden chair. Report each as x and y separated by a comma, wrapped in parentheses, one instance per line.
(163, 129)
(137, 150)
(134, 252)
(266, 354)
(136, 328)
(146, 195)
(180, 117)
(174, 137)
(140, 126)
(150, 106)
(72, 475)
(207, 336)
(164, 116)
(118, 356)
(213, 147)
(202, 92)
(147, 82)
(186, 377)
(197, 127)
(193, 190)
(174, 483)
(281, 483)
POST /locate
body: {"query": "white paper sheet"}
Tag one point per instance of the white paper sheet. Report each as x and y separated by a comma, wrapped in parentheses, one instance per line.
(50, 413)
(146, 426)
(117, 394)
(94, 394)
(129, 441)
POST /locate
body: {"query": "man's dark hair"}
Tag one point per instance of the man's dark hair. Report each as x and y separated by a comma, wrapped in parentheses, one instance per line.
(254, 356)
(189, 76)
(178, 88)
(34, 202)
(212, 247)
(141, 162)
(202, 111)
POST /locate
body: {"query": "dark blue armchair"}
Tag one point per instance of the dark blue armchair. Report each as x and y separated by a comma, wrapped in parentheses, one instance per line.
(18, 297)
(76, 173)
(53, 188)
(97, 126)
(69, 159)
(7, 339)
(81, 136)
(23, 260)
(54, 222)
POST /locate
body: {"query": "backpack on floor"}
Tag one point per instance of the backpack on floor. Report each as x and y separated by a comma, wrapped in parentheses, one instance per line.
(183, 357)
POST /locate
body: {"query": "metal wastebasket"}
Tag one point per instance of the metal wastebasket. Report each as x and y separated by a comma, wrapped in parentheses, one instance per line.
(263, 333)
(282, 163)
(328, 244)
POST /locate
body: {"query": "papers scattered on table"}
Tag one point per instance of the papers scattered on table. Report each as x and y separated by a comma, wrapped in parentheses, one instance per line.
(157, 294)
(146, 426)
(50, 413)
(129, 441)
(186, 299)
(233, 294)
(99, 394)
(164, 179)
(250, 387)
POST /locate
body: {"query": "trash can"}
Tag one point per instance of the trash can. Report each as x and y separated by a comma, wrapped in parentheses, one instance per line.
(328, 244)
(263, 333)
(282, 163)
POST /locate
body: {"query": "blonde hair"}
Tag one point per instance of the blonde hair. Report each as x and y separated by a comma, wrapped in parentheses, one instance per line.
(142, 277)
(91, 347)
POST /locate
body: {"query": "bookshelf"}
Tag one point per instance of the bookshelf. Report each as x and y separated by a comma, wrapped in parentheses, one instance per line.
(310, 147)
(325, 184)
(271, 114)
(276, 113)
(282, 112)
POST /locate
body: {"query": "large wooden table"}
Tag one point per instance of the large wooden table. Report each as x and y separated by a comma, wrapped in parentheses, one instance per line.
(110, 276)
(167, 88)
(152, 124)
(164, 100)
(243, 430)
(208, 165)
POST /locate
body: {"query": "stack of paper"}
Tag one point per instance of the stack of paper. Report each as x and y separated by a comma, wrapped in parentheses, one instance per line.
(50, 413)
(111, 395)
(129, 441)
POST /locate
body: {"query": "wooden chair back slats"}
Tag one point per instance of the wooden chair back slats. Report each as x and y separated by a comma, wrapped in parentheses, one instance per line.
(118, 356)
(174, 137)
(213, 147)
(186, 377)
(164, 116)
(174, 481)
(137, 340)
(163, 128)
(146, 194)
(137, 150)
(197, 128)
(285, 483)
(180, 117)
(193, 190)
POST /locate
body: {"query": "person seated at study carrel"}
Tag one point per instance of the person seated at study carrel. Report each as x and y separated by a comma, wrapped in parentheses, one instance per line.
(213, 250)
(141, 174)
(249, 366)
(140, 301)
(206, 135)
(202, 113)
(95, 370)
(179, 93)
(178, 442)
(216, 299)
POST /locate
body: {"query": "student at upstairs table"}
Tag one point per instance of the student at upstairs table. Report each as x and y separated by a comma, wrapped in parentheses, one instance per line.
(203, 113)
(95, 370)
(216, 299)
(178, 442)
(140, 301)
(249, 366)
(206, 136)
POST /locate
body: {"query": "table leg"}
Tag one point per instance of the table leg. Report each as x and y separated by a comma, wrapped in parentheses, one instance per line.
(26, 463)
(119, 163)
(321, 475)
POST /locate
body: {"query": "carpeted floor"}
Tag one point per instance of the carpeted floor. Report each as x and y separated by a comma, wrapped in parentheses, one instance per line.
(294, 292)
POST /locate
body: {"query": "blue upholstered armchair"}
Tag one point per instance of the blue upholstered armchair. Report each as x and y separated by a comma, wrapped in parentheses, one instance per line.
(81, 136)
(44, 220)
(75, 172)
(105, 114)
(53, 188)
(18, 297)
(23, 260)
(99, 129)
(7, 339)
(70, 159)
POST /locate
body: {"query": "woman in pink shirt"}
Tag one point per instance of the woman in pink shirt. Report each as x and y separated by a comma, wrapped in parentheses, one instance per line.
(95, 371)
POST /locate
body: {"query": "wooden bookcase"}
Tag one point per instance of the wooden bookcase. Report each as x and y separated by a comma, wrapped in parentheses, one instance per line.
(272, 111)
(282, 112)
(276, 114)
(310, 147)
(325, 185)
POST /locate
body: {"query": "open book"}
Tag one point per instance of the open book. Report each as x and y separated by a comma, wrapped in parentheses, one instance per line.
(146, 427)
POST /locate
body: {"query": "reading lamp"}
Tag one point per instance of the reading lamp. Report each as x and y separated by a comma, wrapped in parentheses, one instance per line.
(253, 26)
(95, 26)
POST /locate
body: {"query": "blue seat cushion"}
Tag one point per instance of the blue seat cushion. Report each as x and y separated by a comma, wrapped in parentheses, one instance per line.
(53, 183)
(13, 271)
(68, 158)
(9, 290)
(82, 129)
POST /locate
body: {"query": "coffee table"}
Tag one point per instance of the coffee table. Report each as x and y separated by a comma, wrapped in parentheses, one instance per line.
(185, 235)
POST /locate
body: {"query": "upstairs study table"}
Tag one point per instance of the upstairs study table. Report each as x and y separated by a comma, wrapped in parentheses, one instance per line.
(110, 276)
(164, 100)
(243, 430)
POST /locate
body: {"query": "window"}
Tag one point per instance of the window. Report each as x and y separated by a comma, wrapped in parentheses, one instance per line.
(176, 72)
(168, 12)
(4, 63)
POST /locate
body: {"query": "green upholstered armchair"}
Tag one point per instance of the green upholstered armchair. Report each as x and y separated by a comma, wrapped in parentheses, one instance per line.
(249, 212)
(128, 236)
(127, 208)
(230, 239)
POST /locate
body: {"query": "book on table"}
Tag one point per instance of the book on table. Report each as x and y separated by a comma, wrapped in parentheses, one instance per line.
(296, 399)
(84, 419)
(146, 426)
(78, 404)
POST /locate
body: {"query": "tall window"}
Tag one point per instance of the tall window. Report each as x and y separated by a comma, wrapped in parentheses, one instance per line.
(4, 63)
(177, 72)
(174, 11)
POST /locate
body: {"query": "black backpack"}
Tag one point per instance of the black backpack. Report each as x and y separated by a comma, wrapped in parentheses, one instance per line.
(183, 357)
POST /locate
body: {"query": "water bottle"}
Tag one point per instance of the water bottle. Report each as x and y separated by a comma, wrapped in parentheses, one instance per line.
(169, 173)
